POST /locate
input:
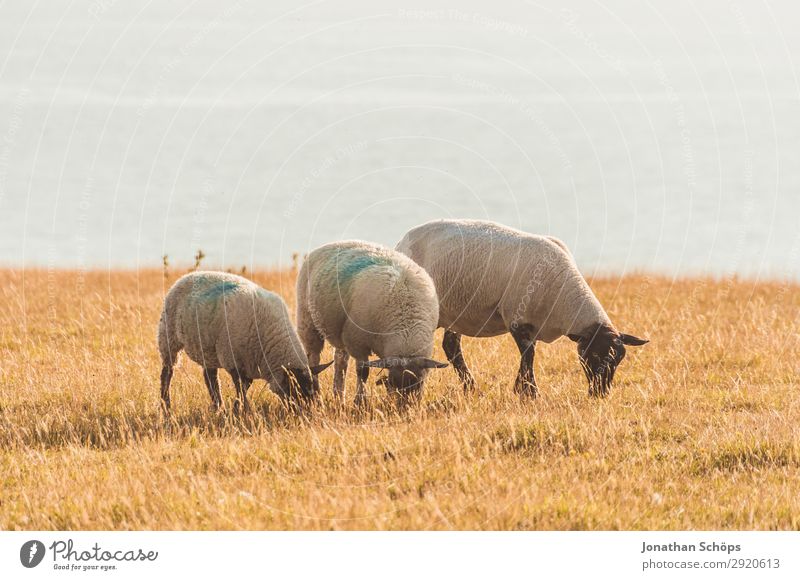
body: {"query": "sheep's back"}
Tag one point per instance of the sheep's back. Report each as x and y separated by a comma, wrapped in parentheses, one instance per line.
(485, 272)
(200, 301)
(256, 333)
(367, 288)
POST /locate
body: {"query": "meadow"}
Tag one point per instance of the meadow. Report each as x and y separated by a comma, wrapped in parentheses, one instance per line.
(701, 431)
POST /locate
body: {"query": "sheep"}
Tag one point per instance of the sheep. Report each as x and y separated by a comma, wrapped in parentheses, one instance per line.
(364, 298)
(226, 321)
(492, 279)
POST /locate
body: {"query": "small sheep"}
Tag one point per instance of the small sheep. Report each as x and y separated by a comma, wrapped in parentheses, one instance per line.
(364, 298)
(226, 321)
(492, 279)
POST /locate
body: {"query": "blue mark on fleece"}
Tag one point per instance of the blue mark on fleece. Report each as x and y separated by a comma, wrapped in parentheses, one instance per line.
(218, 290)
(349, 268)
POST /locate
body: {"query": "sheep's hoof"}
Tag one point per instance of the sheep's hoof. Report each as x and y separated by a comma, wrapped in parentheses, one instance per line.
(469, 384)
(527, 389)
(239, 408)
(168, 425)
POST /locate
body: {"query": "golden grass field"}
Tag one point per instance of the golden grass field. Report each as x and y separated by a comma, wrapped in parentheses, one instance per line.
(702, 429)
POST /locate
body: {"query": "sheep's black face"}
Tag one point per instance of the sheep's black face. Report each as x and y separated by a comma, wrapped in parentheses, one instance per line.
(406, 381)
(601, 349)
(406, 375)
(301, 384)
(600, 360)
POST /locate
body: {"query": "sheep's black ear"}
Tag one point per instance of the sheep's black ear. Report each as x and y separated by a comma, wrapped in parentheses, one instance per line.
(429, 363)
(631, 340)
(315, 370)
(575, 337)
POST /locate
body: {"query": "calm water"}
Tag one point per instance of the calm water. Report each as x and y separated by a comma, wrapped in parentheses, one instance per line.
(648, 137)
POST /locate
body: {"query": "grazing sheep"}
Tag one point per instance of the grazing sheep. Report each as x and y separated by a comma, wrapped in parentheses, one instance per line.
(364, 298)
(492, 279)
(226, 321)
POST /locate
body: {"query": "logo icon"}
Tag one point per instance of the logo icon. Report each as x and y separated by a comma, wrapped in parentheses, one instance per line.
(31, 553)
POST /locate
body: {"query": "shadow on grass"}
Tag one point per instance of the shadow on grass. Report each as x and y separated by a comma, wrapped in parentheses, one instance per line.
(43, 428)
(747, 456)
(537, 438)
(47, 425)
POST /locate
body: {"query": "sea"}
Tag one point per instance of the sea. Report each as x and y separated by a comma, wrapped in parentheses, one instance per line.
(657, 137)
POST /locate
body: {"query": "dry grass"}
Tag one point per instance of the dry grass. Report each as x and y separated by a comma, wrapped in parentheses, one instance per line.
(702, 429)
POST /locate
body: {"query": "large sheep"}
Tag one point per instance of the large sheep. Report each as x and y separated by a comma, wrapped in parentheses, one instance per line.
(226, 321)
(492, 279)
(364, 298)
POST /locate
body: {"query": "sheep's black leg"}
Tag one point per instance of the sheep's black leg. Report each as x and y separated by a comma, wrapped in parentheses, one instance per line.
(242, 384)
(166, 379)
(362, 374)
(212, 384)
(313, 343)
(339, 372)
(313, 360)
(524, 336)
(452, 348)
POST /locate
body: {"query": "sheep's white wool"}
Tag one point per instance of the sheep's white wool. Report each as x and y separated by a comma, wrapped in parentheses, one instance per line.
(490, 277)
(226, 321)
(365, 298)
